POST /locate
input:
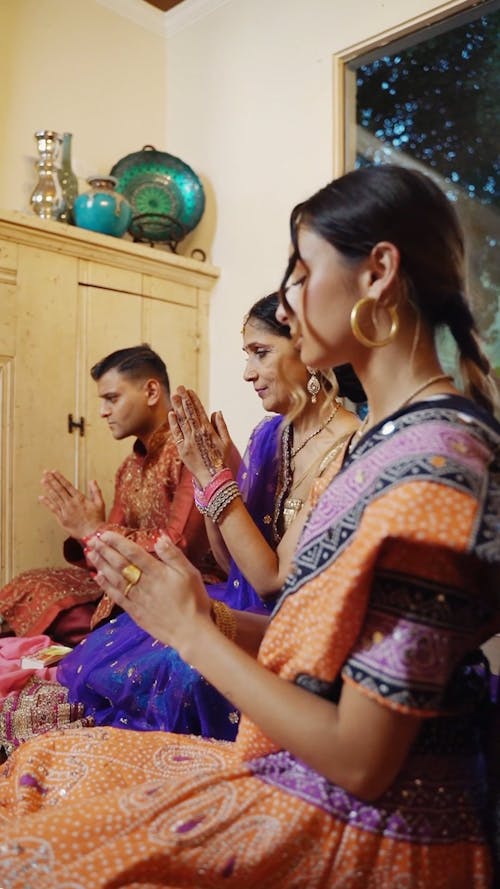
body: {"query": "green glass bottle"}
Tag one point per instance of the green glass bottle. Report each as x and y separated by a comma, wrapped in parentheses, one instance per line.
(68, 180)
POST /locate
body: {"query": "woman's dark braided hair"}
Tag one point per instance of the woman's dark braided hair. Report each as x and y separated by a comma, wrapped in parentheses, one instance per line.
(405, 207)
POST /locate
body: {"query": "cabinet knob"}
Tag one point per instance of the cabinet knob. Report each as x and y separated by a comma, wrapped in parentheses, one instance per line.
(74, 424)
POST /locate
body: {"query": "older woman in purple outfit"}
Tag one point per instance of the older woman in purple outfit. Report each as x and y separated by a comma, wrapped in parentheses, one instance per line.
(123, 676)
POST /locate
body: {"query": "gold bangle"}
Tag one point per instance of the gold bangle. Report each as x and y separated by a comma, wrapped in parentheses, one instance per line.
(224, 619)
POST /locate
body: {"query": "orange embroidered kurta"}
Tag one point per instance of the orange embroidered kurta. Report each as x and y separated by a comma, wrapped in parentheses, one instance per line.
(153, 493)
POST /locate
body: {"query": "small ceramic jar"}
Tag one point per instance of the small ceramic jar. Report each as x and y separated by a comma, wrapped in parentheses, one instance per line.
(102, 209)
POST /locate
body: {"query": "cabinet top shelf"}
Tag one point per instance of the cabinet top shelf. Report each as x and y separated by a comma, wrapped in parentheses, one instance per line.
(58, 237)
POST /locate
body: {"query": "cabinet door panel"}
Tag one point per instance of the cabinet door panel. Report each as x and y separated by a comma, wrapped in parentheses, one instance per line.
(173, 291)
(109, 277)
(172, 331)
(109, 321)
(44, 395)
(7, 318)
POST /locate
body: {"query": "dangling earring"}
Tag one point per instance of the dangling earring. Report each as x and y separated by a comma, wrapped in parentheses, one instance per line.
(358, 333)
(313, 384)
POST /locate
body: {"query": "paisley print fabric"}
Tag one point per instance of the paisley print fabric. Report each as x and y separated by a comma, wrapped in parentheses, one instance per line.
(393, 590)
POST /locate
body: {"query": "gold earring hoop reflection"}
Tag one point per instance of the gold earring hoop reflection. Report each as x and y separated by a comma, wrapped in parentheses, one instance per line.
(358, 333)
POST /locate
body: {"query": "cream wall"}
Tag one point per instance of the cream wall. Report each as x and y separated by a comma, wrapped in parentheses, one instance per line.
(76, 66)
(242, 91)
(250, 104)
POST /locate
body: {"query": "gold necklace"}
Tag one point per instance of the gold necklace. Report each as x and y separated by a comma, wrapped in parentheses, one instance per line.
(295, 451)
(293, 505)
(423, 386)
(436, 379)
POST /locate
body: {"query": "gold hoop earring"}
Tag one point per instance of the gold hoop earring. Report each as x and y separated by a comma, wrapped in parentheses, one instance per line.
(358, 333)
(313, 384)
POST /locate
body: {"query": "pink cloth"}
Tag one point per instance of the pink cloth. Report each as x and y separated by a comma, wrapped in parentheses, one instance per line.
(13, 677)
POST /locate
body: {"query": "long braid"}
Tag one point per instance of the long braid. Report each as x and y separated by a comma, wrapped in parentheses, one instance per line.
(475, 368)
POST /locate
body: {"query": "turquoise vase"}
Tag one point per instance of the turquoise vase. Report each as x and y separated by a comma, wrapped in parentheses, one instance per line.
(102, 209)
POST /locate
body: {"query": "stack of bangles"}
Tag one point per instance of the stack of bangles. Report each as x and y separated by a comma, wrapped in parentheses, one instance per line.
(213, 500)
(224, 619)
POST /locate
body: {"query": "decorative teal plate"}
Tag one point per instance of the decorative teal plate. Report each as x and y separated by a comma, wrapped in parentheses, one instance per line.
(166, 196)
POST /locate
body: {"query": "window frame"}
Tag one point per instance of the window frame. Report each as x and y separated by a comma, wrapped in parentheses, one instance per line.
(409, 33)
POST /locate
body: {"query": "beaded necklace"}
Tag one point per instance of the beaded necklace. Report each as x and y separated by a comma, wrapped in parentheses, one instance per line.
(295, 451)
(285, 475)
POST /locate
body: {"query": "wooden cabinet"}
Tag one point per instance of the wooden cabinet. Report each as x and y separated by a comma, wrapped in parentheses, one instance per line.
(68, 297)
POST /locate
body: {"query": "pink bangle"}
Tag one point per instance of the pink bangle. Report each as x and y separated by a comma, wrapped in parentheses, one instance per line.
(225, 475)
(198, 500)
(203, 498)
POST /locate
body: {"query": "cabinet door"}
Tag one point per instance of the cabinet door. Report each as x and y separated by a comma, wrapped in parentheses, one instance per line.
(115, 320)
(172, 332)
(44, 394)
(175, 324)
(109, 320)
(8, 282)
(8, 275)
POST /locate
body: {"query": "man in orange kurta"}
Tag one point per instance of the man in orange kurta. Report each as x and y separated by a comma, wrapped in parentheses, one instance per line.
(153, 493)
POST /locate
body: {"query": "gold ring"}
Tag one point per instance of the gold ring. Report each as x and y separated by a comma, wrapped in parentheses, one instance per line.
(179, 441)
(127, 589)
(131, 573)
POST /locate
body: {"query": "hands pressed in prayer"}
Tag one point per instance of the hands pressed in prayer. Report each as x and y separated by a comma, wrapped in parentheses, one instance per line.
(77, 514)
(144, 599)
(204, 444)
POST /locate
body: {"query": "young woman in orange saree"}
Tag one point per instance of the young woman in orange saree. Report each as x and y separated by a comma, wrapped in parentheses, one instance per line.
(359, 760)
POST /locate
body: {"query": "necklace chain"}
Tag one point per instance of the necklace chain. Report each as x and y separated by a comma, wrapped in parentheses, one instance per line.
(286, 473)
(436, 379)
(295, 451)
(419, 389)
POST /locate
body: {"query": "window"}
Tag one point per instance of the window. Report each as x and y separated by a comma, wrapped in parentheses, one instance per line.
(430, 100)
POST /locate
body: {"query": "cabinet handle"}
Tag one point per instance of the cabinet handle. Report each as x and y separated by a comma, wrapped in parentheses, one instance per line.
(72, 424)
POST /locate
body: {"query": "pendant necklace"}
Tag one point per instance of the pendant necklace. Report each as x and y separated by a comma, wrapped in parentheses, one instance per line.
(286, 473)
(295, 451)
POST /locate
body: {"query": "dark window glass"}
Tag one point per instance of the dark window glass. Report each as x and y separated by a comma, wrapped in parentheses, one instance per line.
(433, 102)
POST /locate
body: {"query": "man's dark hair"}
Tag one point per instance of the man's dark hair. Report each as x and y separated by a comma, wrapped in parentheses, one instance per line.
(137, 362)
